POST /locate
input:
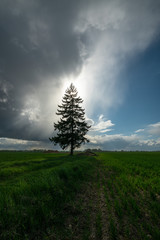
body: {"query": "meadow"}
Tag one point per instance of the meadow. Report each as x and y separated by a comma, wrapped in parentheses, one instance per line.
(114, 195)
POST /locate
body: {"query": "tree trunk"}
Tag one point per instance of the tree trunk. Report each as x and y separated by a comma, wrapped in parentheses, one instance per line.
(71, 153)
(72, 131)
(72, 140)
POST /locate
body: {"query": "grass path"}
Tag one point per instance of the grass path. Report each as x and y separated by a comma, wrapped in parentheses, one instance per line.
(88, 217)
(115, 204)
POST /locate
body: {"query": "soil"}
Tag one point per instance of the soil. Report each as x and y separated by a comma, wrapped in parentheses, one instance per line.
(87, 154)
(91, 202)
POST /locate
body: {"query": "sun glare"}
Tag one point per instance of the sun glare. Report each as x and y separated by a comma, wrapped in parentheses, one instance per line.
(78, 83)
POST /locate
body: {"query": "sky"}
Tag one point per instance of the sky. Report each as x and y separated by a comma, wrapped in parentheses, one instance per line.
(109, 49)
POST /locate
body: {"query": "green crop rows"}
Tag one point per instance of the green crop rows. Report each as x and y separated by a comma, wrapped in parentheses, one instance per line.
(55, 196)
(131, 183)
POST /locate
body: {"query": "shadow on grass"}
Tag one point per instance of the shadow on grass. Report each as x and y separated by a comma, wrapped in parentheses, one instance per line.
(14, 171)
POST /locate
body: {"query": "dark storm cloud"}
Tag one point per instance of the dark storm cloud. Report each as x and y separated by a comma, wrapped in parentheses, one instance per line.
(37, 40)
(45, 42)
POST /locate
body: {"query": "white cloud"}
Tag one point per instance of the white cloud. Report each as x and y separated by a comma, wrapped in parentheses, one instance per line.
(113, 137)
(133, 142)
(106, 130)
(121, 142)
(89, 121)
(31, 109)
(154, 129)
(19, 144)
(102, 125)
(139, 130)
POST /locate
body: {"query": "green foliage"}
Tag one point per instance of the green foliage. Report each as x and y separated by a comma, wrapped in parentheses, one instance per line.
(72, 128)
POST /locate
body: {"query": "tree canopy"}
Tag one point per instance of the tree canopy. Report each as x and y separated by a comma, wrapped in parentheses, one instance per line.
(71, 128)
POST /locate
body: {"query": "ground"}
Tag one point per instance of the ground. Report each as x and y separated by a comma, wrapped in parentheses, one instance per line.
(56, 196)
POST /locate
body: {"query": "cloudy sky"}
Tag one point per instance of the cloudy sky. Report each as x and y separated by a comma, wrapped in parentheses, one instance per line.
(110, 50)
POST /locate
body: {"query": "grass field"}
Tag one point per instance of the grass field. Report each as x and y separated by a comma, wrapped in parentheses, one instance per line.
(115, 195)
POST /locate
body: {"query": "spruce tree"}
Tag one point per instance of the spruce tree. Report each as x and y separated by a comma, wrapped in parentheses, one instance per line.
(71, 128)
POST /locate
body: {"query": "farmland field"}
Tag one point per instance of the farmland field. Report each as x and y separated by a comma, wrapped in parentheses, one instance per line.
(114, 195)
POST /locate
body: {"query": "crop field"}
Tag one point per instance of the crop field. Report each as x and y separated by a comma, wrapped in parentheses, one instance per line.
(114, 195)
(131, 185)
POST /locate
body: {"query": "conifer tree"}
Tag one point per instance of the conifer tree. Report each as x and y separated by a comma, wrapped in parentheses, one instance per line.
(71, 128)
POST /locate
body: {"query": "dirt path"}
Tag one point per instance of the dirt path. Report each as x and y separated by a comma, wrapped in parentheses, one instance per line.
(103, 209)
(89, 218)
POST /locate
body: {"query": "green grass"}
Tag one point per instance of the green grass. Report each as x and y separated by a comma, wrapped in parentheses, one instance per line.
(34, 190)
(132, 190)
(39, 195)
